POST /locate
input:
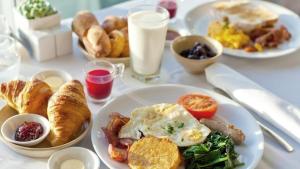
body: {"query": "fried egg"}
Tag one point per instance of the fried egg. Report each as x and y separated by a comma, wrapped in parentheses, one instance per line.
(164, 120)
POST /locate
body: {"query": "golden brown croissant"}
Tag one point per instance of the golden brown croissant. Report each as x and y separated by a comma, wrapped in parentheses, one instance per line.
(67, 112)
(27, 97)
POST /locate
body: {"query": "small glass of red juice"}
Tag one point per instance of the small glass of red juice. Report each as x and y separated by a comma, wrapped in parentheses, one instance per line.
(99, 77)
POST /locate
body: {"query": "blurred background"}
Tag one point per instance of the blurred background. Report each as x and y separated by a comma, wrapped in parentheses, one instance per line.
(69, 7)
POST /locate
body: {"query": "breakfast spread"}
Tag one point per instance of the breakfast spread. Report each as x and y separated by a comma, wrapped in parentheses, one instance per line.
(156, 136)
(65, 109)
(110, 39)
(186, 132)
(29, 131)
(199, 51)
(248, 26)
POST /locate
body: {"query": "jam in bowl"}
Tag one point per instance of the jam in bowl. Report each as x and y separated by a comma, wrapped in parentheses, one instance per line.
(25, 129)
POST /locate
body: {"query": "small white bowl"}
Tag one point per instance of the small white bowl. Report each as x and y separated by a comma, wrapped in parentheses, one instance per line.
(9, 128)
(64, 76)
(89, 159)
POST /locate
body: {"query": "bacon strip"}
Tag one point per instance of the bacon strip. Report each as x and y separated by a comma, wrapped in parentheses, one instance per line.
(118, 148)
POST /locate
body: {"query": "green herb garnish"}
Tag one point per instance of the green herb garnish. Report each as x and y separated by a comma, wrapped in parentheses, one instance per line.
(170, 129)
(217, 152)
(180, 125)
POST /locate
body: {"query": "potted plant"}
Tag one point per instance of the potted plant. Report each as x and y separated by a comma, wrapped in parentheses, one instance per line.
(36, 14)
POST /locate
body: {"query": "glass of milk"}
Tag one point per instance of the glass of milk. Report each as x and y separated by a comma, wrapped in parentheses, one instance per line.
(9, 59)
(147, 27)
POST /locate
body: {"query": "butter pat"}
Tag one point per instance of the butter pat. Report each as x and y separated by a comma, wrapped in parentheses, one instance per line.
(72, 164)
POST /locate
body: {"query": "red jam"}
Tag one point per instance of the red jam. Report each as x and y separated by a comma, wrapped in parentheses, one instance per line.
(169, 5)
(99, 83)
(29, 131)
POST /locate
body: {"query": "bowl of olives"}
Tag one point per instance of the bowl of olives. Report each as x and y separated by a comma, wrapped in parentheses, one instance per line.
(196, 52)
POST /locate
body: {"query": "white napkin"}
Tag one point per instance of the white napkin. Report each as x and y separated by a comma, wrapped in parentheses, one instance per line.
(275, 110)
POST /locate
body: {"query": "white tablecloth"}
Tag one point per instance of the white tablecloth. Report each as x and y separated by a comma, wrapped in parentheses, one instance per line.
(280, 75)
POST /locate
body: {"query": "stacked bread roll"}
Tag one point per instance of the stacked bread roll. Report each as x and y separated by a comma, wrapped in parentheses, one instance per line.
(107, 40)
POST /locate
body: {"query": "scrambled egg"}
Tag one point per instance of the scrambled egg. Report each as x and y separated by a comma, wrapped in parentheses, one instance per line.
(228, 35)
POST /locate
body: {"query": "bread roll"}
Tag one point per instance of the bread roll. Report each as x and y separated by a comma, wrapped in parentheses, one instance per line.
(114, 23)
(97, 42)
(82, 21)
(125, 52)
(117, 41)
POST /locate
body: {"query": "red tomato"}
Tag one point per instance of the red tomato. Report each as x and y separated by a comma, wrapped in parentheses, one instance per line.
(200, 106)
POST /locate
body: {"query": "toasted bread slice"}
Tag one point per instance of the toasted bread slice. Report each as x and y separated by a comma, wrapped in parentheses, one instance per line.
(153, 153)
(246, 15)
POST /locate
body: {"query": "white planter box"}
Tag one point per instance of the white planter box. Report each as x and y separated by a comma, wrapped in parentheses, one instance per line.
(37, 24)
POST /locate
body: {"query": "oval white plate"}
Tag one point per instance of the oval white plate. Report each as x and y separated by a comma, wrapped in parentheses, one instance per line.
(198, 19)
(250, 152)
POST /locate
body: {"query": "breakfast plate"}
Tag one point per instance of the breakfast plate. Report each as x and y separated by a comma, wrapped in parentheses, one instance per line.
(198, 19)
(43, 149)
(250, 152)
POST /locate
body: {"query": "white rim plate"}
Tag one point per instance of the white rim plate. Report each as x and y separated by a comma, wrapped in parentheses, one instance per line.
(198, 19)
(250, 153)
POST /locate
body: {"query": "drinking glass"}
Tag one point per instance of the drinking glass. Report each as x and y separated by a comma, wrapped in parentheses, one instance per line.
(4, 27)
(99, 76)
(9, 59)
(147, 27)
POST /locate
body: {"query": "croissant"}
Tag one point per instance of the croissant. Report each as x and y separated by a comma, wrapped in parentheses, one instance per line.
(67, 112)
(27, 97)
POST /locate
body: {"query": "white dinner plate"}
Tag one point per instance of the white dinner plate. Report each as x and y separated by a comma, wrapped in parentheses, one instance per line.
(250, 152)
(198, 19)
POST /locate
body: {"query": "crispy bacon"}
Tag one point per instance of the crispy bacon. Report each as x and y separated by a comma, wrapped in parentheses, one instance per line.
(274, 37)
(117, 154)
(118, 148)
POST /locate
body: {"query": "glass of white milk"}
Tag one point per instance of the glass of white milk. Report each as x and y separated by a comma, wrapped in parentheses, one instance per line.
(147, 26)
